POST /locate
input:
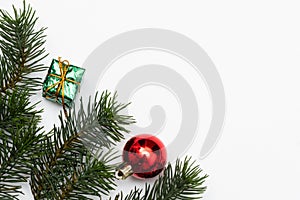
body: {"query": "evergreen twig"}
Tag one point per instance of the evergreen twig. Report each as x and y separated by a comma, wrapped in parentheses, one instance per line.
(68, 168)
(20, 136)
(22, 50)
(183, 182)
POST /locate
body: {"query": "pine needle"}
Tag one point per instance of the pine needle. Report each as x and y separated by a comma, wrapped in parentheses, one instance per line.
(69, 169)
(21, 46)
(183, 182)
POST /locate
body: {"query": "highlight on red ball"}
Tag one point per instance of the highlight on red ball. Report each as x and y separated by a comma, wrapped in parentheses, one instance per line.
(146, 155)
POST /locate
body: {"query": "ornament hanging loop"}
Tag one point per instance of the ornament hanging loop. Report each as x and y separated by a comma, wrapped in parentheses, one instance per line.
(123, 171)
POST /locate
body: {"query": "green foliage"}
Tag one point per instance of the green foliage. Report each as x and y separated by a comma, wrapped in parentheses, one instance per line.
(22, 50)
(183, 182)
(109, 117)
(68, 168)
(69, 162)
(20, 136)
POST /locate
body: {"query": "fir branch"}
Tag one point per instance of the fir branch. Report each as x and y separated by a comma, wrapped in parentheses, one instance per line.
(21, 50)
(89, 176)
(94, 178)
(15, 108)
(184, 182)
(20, 136)
(112, 122)
(135, 194)
(21, 47)
(68, 162)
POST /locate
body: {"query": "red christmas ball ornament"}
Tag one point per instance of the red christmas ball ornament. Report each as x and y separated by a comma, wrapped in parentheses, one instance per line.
(144, 156)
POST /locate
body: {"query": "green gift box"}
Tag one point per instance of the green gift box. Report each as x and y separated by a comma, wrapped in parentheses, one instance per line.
(62, 82)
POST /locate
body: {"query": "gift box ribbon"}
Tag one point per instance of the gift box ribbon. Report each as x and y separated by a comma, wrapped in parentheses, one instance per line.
(63, 67)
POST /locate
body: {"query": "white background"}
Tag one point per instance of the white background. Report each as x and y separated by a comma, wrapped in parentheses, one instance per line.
(255, 46)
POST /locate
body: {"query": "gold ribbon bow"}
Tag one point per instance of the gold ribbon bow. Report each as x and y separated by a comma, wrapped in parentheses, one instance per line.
(63, 67)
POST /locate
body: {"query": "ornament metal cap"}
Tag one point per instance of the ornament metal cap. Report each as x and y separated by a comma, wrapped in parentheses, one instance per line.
(123, 171)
